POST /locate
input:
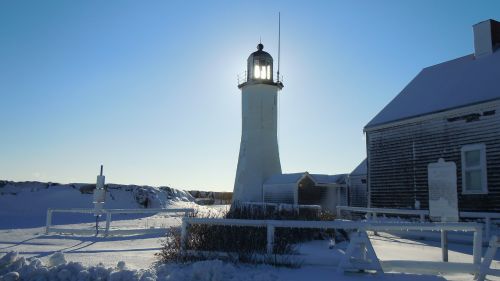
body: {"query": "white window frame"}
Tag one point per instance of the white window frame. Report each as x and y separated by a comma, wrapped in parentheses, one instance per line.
(482, 165)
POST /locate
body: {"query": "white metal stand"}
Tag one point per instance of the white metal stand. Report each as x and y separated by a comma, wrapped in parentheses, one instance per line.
(485, 269)
(360, 255)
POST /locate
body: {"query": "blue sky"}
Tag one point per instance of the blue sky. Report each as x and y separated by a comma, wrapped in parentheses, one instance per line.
(149, 88)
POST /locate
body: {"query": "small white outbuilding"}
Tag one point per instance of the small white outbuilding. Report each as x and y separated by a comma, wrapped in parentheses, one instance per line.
(327, 191)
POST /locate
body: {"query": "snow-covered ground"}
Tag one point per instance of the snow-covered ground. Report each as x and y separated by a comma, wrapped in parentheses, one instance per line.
(137, 252)
(22, 217)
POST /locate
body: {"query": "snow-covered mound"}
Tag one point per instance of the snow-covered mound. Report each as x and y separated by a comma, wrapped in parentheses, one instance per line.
(13, 267)
(25, 204)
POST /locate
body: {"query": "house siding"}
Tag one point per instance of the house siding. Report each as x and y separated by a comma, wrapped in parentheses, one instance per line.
(358, 191)
(398, 157)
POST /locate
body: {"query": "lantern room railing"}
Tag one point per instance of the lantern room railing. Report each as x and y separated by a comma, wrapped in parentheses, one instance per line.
(243, 78)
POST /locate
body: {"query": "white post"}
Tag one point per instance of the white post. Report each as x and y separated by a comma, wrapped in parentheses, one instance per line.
(488, 257)
(444, 245)
(487, 222)
(270, 239)
(339, 212)
(184, 236)
(108, 222)
(374, 217)
(478, 245)
(49, 221)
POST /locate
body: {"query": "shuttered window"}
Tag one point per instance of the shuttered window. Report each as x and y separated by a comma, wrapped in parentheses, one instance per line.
(474, 179)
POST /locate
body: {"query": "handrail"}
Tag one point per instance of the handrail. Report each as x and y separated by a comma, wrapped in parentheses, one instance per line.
(108, 213)
(243, 78)
(344, 224)
(422, 213)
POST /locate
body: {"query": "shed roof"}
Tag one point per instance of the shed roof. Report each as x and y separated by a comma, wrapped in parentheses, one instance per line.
(360, 169)
(319, 179)
(452, 84)
(285, 178)
(329, 179)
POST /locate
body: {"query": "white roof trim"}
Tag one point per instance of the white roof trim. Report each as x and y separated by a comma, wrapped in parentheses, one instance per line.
(447, 113)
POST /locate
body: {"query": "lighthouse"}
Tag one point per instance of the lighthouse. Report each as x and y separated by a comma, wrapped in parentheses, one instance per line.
(259, 156)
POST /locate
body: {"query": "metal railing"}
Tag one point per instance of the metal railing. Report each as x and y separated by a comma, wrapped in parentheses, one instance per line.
(243, 78)
(109, 212)
(422, 214)
(271, 225)
(485, 268)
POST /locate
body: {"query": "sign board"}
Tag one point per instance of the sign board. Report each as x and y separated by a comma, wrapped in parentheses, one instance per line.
(442, 180)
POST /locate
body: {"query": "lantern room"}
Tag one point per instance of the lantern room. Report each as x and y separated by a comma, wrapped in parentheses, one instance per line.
(259, 69)
(260, 65)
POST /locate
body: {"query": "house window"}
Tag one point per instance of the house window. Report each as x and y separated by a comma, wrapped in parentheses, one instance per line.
(474, 169)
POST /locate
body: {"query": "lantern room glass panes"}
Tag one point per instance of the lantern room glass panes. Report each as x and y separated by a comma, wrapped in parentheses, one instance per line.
(474, 169)
(256, 71)
(262, 70)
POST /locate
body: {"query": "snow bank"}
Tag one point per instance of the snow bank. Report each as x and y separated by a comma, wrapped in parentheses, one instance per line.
(13, 267)
(213, 270)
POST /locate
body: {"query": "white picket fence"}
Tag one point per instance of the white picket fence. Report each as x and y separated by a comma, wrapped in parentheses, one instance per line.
(109, 212)
(361, 239)
(422, 214)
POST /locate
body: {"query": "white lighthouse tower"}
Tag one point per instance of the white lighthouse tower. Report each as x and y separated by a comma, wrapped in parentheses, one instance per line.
(259, 156)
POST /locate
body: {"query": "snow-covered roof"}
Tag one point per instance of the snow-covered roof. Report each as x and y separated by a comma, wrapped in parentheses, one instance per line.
(329, 179)
(285, 178)
(452, 84)
(360, 169)
(319, 179)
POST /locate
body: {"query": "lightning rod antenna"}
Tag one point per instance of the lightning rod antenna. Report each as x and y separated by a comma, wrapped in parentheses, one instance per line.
(279, 44)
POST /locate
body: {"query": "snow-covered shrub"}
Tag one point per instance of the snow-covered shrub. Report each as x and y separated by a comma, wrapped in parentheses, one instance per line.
(171, 247)
(241, 243)
(285, 237)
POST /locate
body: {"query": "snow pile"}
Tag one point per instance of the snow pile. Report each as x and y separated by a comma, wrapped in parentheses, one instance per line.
(13, 267)
(212, 270)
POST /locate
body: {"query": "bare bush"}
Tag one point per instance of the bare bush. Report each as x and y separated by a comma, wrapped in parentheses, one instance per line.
(244, 243)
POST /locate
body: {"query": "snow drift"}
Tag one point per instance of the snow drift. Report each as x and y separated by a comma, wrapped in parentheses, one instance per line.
(24, 204)
(13, 267)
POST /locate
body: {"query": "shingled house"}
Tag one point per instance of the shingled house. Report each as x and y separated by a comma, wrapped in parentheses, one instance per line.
(450, 111)
(357, 186)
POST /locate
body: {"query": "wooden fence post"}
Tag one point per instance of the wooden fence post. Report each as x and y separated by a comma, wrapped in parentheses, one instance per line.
(444, 245)
(184, 235)
(488, 257)
(478, 245)
(108, 222)
(270, 239)
(49, 221)
(487, 225)
(374, 218)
